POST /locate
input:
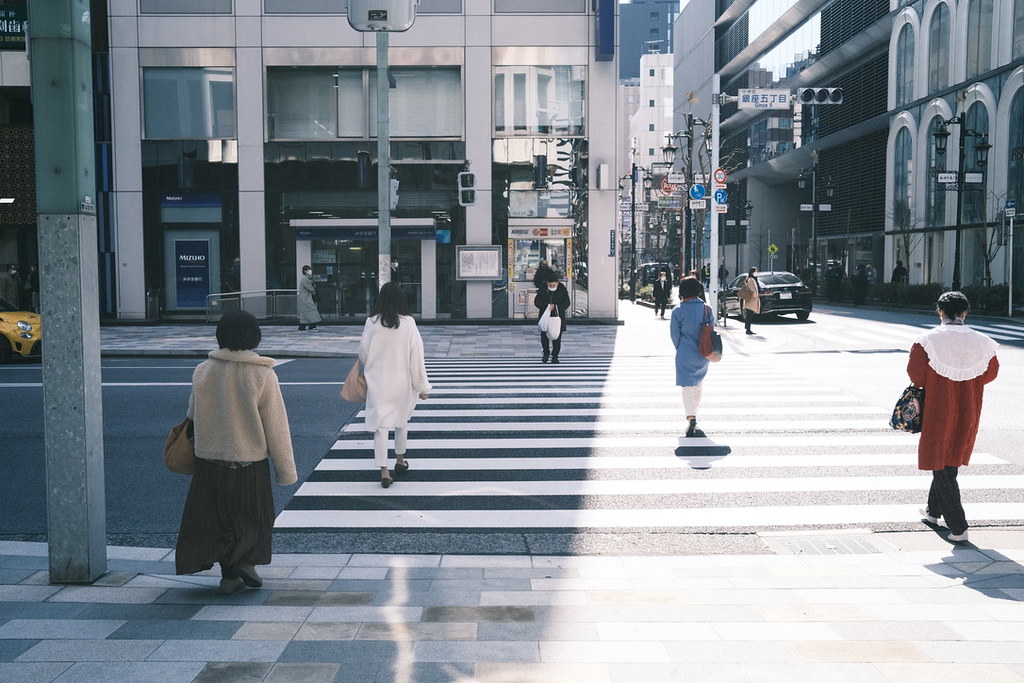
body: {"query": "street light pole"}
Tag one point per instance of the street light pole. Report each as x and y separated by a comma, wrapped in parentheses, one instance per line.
(632, 233)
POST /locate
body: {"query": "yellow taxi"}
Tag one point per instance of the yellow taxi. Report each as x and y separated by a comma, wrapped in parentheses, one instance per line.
(21, 333)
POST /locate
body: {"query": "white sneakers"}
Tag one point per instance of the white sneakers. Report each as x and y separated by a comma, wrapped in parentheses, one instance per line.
(955, 538)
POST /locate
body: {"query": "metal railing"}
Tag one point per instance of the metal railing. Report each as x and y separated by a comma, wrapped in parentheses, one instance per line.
(265, 304)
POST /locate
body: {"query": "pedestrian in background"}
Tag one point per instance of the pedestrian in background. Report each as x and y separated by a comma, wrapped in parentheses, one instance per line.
(662, 293)
(10, 285)
(240, 425)
(555, 297)
(308, 312)
(899, 274)
(860, 284)
(33, 287)
(834, 282)
(691, 367)
(541, 275)
(750, 296)
(391, 355)
(953, 363)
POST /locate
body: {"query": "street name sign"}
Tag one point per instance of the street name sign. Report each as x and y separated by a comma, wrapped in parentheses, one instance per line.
(947, 177)
(761, 98)
(698, 203)
(677, 178)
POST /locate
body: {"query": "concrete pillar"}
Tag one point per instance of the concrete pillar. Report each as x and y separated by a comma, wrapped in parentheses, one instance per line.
(65, 187)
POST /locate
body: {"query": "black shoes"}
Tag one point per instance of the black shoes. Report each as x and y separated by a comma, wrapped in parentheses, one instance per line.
(401, 468)
(554, 359)
(247, 573)
(544, 358)
(386, 481)
(692, 430)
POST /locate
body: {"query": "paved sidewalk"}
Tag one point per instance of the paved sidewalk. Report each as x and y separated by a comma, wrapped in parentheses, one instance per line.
(916, 609)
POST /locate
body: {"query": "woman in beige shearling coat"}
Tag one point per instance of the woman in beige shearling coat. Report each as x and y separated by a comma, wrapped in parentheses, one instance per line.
(750, 295)
(240, 424)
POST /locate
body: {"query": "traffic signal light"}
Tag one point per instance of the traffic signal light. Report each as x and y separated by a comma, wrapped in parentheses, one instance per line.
(819, 95)
(467, 193)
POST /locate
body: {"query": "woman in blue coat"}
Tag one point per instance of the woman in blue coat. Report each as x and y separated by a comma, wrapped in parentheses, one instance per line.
(691, 366)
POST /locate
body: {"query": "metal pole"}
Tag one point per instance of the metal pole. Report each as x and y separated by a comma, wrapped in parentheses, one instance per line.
(716, 93)
(814, 227)
(1009, 278)
(959, 205)
(383, 163)
(632, 234)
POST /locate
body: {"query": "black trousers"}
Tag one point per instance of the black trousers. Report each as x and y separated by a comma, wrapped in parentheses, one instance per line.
(944, 500)
(659, 307)
(555, 346)
(748, 318)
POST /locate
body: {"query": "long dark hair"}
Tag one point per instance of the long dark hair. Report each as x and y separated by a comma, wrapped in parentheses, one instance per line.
(390, 304)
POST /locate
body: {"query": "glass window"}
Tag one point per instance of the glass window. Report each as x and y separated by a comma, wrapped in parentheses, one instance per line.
(188, 103)
(935, 196)
(1018, 29)
(650, 103)
(301, 103)
(905, 66)
(979, 37)
(650, 72)
(938, 49)
(542, 100)
(1015, 171)
(974, 193)
(308, 104)
(903, 159)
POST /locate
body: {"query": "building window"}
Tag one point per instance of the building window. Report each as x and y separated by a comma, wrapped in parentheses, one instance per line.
(650, 126)
(974, 193)
(323, 103)
(650, 103)
(1018, 29)
(979, 37)
(935, 196)
(905, 66)
(650, 72)
(650, 150)
(539, 100)
(903, 159)
(188, 103)
(938, 49)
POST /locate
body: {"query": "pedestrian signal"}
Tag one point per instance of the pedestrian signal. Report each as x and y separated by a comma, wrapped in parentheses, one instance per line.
(467, 193)
(819, 95)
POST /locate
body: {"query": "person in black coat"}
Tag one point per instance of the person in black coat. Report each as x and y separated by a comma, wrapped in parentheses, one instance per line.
(553, 296)
(662, 292)
(540, 278)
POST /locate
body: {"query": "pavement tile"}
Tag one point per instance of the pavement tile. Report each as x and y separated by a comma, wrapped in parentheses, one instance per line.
(946, 671)
(638, 597)
(650, 613)
(35, 578)
(998, 631)
(138, 612)
(428, 598)
(530, 573)
(476, 651)
(363, 613)
(905, 612)
(893, 630)
(219, 650)
(733, 651)
(41, 610)
(11, 648)
(543, 672)
(345, 630)
(860, 651)
(819, 612)
(525, 597)
(176, 629)
(816, 673)
(478, 614)
(487, 562)
(165, 672)
(311, 560)
(344, 584)
(307, 673)
(314, 572)
(33, 672)
(108, 595)
(1003, 610)
(363, 573)
(339, 651)
(90, 651)
(603, 651)
(418, 631)
(536, 631)
(59, 628)
(791, 630)
(943, 596)
(267, 630)
(205, 595)
(346, 598)
(437, 573)
(124, 552)
(12, 575)
(377, 560)
(636, 630)
(26, 593)
(15, 548)
(234, 672)
(252, 613)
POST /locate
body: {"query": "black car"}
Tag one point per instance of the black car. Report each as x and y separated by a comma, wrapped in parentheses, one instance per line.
(781, 292)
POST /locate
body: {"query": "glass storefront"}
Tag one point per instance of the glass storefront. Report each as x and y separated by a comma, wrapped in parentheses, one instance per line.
(345, 272)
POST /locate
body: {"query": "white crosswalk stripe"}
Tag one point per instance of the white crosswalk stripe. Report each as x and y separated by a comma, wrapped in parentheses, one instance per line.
(597, 443)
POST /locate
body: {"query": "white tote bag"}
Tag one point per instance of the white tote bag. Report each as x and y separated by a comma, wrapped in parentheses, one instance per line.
(544, 318)
(554, 328)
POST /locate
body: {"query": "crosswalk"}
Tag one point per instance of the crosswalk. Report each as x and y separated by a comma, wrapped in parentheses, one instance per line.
(596, 443)
(856, 333)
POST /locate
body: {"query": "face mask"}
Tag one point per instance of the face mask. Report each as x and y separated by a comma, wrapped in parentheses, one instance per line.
(552, 289)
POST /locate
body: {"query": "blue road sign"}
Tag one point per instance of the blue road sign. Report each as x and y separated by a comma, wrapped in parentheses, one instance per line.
(721, 197)
(697, 192)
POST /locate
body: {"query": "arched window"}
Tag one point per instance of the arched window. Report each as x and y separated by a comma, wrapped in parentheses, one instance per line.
(902, 180)
(938, 49)
(979, 37)
(905, 66)
(1015, 167)
(1018, 28)
(935, 196)
(974, 193)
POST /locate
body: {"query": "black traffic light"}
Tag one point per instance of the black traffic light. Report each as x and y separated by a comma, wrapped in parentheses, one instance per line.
(818, 95)
(467, 193)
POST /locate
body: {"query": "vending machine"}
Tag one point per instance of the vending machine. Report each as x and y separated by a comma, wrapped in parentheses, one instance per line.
(527, 247)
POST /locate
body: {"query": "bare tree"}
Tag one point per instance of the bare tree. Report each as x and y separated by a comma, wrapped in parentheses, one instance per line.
(988, 240)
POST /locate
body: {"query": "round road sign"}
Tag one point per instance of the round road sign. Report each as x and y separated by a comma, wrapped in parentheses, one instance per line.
(721, 197)
(719, 175)
(697, 192)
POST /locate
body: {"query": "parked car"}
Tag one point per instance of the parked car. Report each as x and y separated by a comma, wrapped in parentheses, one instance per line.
(21, 332)
(649, 272)
(781, 292)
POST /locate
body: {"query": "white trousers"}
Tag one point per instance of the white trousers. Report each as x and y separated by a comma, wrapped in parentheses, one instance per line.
(380, 444)
(691, 399)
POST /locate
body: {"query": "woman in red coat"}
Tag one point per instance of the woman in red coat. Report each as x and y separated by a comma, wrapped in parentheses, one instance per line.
(953, 363)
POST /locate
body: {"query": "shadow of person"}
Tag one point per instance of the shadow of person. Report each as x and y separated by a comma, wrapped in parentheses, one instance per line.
(987, 571)
(701, 452)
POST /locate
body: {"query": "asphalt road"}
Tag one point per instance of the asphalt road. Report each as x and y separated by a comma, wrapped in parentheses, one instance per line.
(859, 352)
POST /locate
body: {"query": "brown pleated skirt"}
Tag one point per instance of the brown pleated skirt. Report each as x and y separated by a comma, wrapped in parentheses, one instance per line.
(228, 517)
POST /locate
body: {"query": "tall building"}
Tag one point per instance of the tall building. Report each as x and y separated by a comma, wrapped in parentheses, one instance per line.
(956, 73)
(788, 46)
(236, 142)
(645, 26)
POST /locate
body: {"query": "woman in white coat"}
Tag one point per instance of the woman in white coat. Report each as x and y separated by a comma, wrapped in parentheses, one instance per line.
(391, 354)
